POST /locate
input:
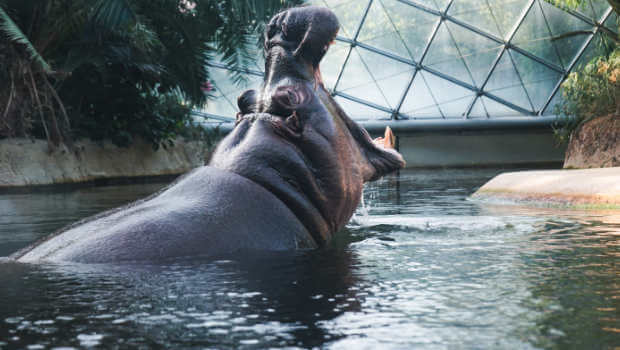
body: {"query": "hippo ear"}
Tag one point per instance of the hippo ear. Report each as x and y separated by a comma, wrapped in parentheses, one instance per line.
(383, 160)
(247, 102)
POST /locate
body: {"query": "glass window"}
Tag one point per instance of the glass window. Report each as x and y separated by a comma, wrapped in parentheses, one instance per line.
(505, 83)
(349, 13)
(495, 17)
(538, 80)
(375, 78)
(371, 67)
(360, 111)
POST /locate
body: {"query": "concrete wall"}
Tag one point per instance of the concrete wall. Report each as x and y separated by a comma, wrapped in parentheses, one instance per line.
(479, 148)
(25, 162)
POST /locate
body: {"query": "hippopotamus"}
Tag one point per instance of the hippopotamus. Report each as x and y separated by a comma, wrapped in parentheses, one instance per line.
(288, 176)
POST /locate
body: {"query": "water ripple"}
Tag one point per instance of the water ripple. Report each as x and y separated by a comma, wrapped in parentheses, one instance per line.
(420, 267)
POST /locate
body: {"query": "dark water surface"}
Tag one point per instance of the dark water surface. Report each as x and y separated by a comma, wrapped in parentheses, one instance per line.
(419, 267)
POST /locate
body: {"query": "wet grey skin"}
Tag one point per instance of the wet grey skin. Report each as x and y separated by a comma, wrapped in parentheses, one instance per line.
(288, 176)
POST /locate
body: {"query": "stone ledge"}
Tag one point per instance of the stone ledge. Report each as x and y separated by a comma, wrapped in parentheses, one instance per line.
(585, 188)
(25, 162)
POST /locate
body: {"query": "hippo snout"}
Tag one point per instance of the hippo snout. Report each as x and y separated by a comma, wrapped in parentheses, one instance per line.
(305, 31)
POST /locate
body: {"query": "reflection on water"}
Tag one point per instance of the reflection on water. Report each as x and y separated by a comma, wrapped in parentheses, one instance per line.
(420, 267)
(27, 217)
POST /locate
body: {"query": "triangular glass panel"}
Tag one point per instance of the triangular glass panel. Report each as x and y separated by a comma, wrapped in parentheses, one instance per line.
(583, 7)
(349, 13)
(506, 14)
(599, 8)
(359, 111)
(220, 105)
(444, 56)
(375, 78)
(538, 80)
(557, 100)
(431, 4)
(368, 92)
(478, 110)
(562, 24)
(478, 52)
(411, 24)
(444, 90)
(431, 112)
(592, 8)
(419, 102)
(534, 36)
(391, 76)
(378, 31)
(355, 74)
(599, 46)
(394, 87)
(456, 108)
(225, 92)
(453, 100)
(332, 63)
(506, 84)
(612, 22)
(477, 13)
(498, 110)
(440, 4)
(221, 78)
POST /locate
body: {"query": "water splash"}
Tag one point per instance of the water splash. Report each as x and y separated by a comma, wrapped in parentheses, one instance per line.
(361, 215)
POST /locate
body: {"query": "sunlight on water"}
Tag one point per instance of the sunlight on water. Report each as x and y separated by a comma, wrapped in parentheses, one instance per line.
(419, 266)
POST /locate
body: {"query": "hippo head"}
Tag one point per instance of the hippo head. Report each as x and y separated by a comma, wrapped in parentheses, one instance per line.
(305, 32)
(293, 139)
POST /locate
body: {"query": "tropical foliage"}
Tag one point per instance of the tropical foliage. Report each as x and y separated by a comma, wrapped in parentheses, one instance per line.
(592, 90)
(576, 4)
(117, 69)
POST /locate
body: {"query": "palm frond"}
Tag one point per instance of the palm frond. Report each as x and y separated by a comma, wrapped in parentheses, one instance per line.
(15, 34)
(113, 14)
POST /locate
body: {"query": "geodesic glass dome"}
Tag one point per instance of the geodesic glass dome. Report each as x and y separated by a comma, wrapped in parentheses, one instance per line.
(446, 59)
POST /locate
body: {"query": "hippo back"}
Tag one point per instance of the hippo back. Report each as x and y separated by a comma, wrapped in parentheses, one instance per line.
(205, 213)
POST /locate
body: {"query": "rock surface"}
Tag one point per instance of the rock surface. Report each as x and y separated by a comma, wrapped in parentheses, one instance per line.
(25, 162)
(596, 144)
(597, 188)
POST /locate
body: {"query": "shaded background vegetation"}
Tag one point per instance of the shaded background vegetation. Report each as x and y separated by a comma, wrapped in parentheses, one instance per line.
(117, 69)
(593, 89)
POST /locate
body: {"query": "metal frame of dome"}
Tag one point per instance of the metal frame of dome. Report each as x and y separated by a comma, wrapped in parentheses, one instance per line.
(510, 55)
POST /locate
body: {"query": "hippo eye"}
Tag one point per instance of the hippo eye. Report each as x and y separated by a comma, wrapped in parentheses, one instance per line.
(271, 30)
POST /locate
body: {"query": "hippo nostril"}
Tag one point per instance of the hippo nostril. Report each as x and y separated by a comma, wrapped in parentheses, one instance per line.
(293, 98)
(292, 121)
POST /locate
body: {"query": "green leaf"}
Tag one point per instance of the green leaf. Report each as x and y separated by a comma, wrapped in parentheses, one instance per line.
(14, 33)
(113, 14)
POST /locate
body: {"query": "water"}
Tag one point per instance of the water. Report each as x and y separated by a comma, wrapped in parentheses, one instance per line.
(420, 267)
